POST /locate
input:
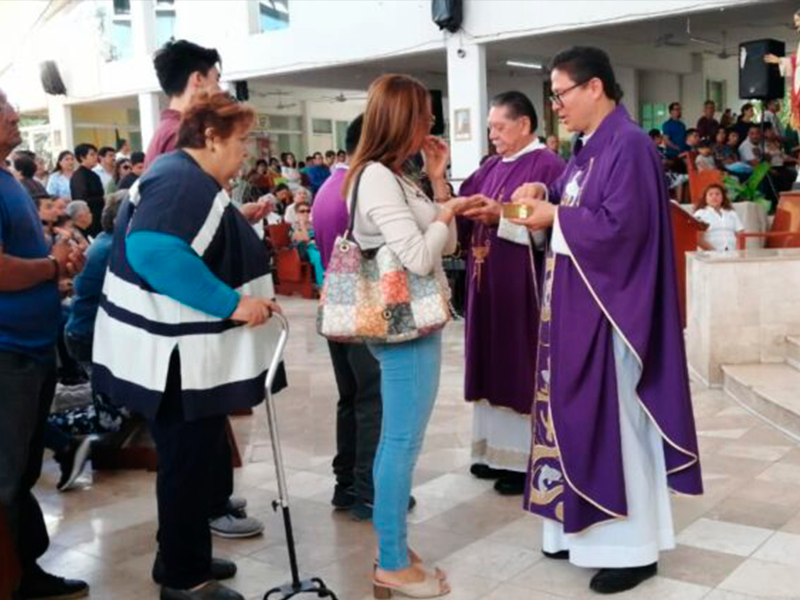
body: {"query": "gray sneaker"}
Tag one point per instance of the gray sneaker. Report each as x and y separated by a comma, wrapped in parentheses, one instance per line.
(229, 526)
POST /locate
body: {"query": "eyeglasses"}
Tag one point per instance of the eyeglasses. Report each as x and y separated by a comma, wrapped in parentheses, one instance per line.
(557, 98)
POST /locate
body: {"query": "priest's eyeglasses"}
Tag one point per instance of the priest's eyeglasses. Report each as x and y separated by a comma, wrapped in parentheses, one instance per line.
(557, 98)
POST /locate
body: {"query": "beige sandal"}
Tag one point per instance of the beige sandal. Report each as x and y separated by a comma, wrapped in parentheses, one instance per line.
(430, 587)
(416, 561)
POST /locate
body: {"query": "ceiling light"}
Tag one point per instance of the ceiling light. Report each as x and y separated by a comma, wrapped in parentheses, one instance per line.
(525, 65)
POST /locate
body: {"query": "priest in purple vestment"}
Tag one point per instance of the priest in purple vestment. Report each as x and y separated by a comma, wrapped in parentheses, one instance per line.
(502, 296)
(613, 429)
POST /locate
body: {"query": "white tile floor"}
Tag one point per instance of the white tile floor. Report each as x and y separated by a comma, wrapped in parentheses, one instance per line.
(739, 542)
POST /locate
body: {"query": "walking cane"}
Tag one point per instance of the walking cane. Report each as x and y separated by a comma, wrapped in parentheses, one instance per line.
(315, 585)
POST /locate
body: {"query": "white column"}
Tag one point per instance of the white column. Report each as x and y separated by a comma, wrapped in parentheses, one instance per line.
(149, 113)
(305, 118)
(466, 91)
(60, 118)
(143, 20)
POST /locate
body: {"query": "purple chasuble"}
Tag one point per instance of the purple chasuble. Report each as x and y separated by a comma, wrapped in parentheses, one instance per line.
(502, 299)
(614, 217)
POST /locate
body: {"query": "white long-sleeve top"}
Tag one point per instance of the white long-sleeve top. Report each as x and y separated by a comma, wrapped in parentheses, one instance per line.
(392, 210)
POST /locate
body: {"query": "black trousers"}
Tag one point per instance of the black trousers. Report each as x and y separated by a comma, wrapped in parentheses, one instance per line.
(194, 468)
(27, 387)
(358, 417)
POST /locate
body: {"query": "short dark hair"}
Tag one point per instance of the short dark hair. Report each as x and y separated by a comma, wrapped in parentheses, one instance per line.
(121, 143)
(518, 105)
(280, 187)
(759, 126)
(690, 131)
(654, 133)
(709, 102)
(353, 134)
(260, 162)
(218, 112)
(104, 150)
(330, 153)
(25, 165)
(673, 105)
(82, 151)
(177, 60)
(137, 157)
(317, 154)
(584, 63)
(340, 151)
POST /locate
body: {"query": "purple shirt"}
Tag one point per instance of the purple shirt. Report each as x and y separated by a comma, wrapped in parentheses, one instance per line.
(329, 213)
(166, 136)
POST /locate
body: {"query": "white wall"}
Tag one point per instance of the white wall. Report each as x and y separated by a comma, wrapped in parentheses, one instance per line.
(659, 87)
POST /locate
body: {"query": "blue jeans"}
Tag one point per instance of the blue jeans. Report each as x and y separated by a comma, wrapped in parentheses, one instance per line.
(409, 384)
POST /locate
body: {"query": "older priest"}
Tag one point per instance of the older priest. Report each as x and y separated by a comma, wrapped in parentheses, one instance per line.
(502, 314)
(612, 428)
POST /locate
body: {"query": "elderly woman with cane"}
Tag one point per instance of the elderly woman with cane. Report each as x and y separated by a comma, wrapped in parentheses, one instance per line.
(178, 336)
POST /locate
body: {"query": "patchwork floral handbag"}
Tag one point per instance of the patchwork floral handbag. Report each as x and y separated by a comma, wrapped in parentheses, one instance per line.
(369, 296)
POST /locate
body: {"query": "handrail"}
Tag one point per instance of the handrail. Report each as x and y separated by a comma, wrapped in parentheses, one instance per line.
(741, 237)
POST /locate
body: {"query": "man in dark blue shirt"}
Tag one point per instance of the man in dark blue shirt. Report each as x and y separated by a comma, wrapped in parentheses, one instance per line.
(29, 319)
(674, 132)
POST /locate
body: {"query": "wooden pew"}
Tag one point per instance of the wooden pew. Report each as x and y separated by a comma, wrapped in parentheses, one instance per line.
(686, 232)
(9, 564)
(787, 220)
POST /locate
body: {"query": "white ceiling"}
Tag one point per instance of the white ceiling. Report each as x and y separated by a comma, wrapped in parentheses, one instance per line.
(628, 45)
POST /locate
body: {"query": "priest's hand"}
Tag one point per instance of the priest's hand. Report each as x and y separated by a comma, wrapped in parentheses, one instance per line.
(772, 59)
(544, 214)
(529, 191)
(437, 155)
(484, 210)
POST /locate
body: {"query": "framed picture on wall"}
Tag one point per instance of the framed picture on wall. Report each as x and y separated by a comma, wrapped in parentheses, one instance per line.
(463, 126)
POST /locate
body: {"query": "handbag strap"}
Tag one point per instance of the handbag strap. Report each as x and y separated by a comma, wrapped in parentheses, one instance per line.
(353, 202)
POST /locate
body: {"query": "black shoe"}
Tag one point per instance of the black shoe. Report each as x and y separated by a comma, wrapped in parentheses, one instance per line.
(611, 581)
(72, 462)
(486, 472)
(343, 498)
(42, 586)
(362, 511)
(560, 555)
(510, 484)
(212, 591)
(220, 569)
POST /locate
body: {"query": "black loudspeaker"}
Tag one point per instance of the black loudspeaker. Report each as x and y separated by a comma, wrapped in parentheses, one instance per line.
(438, 112)
(242, 91)
(51, 79)
(448, 14)
(757, 79)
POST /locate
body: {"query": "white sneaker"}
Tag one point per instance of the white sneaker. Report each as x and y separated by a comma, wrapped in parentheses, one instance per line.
(228, 526)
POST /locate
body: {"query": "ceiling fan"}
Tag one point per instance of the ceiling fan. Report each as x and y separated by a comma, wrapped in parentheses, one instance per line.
(341, 97)
(722, 54)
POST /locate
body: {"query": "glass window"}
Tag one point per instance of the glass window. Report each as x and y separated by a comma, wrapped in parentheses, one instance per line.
(653, 115)
(165, 27)
(321, 126)
(122, 7)
(273, 15)
(121, 40)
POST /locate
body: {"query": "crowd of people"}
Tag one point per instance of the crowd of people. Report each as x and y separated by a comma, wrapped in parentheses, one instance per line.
(165, 252)
(734, 145)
